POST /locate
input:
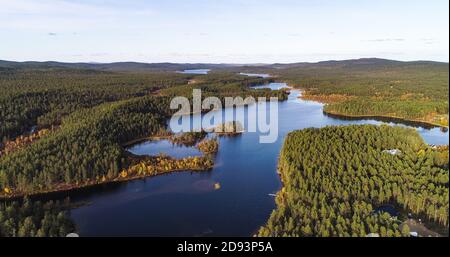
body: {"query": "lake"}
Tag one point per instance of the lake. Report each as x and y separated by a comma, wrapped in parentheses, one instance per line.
(164, 146)
(195, 71)
(260, 75)
(187, 204)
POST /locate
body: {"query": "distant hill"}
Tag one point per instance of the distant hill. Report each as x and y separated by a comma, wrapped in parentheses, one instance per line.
(117, 66)
(363, 62)
(137, 66)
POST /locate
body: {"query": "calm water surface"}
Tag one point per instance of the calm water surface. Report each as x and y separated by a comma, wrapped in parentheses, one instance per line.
(196, 71)
(186, 203)
(157, 147)
(261, 75)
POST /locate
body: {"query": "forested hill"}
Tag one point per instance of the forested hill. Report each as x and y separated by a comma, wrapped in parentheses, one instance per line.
(363, 63)
(416, 91)
(117, 66)
(363, 87)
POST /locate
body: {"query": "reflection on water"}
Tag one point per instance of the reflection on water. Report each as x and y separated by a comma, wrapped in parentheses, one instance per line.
(421, 125)
(186, 204)
(156, 147)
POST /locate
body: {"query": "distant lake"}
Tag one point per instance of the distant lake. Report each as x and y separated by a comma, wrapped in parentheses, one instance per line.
(261, 75)
(187, 204)
(195, 71)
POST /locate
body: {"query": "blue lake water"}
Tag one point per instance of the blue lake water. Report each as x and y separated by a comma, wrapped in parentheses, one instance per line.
(186, 203)
(261, 75)
(195, 71)
(156, 147)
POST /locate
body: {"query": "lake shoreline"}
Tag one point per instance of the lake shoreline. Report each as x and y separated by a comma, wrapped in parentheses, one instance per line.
(430, 227)
(394, 118)
(93, 183)
(96, 185)
(64, 188)
(280, 193)
(143, 139)
(364, 116)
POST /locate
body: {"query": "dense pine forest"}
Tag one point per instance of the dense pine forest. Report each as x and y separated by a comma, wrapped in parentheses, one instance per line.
(416, 91)
(87, 145)
(35, 219)
(95, 112)
(373, 87)
(365, 87)
(335, 178)
(65, 126)
(42, 97)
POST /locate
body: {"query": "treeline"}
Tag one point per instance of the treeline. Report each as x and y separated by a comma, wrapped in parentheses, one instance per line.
(187, 138)
(155, 165)
(21, 141)
(417, 90)
(206, 145)
(87, 146)
(430, 111)
(335, 178)
(35, 219)
(221, 84)
(420, 80)
(209, 146)
(44, 97)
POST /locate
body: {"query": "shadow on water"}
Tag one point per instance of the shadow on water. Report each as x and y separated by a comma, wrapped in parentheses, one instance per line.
(416, 124)
(163, 146)
(118, 186)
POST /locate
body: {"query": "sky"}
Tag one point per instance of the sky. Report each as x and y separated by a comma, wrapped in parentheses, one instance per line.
(223, 31)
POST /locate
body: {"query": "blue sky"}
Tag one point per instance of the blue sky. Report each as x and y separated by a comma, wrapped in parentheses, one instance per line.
(223, 31)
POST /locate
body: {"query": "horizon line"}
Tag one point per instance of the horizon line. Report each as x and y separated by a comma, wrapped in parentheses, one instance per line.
(226, 63)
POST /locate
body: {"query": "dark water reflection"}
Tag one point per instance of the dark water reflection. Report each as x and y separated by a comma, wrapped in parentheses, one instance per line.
(186, 203)
(157, 147)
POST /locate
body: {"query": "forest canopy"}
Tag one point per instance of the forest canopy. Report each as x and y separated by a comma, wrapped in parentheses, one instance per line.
(335, 178)
(35, 219)
(96, 113)
(415, 91)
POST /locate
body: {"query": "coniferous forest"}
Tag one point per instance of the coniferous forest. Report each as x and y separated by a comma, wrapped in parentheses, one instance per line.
(237, 127)
(336, 178)
(35, 219)
(375, 87)
(94, 122)
(64, 128)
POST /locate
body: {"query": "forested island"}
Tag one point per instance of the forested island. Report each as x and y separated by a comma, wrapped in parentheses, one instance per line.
(335, 178)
